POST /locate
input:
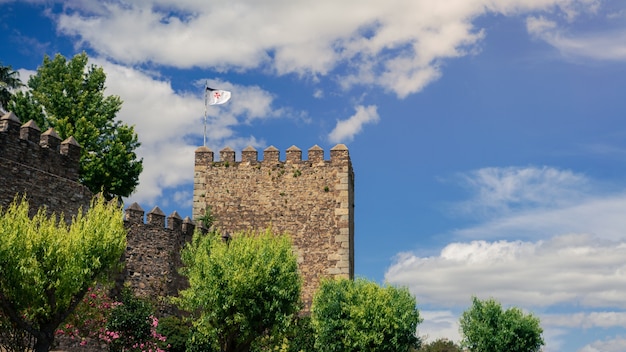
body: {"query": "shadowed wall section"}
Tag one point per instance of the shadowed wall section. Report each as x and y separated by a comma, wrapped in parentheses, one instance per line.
(41, 167)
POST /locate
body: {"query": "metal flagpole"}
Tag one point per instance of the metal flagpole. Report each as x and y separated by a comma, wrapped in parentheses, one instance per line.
(205, 110)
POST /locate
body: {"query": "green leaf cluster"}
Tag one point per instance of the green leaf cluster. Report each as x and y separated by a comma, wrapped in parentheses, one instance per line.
(241, 290)
(131, 319)
(360, 315)
(440, 345)
(69, 96)
(177, 331)
(9, 81)
(486, 327)
(47, 266)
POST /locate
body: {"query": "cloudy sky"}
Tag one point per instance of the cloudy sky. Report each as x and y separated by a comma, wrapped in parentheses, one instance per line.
(487, 136)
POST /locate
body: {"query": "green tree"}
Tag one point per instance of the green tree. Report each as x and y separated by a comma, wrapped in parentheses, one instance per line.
(360, 315)
(69, 96)
(241, 290)
(485, 327)
(46, 266)
(9, 81)
(440, 345)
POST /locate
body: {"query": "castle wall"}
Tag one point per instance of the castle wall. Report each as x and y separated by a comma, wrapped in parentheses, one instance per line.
(152, 256)
(45, 169)
(311, 200)
(41, 167)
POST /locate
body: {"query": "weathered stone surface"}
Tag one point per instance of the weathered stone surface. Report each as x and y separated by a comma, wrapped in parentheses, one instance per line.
(311, 200)
(152, 257)
(40, 167)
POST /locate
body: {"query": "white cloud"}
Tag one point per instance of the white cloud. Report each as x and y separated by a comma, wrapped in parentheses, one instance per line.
(439, 324)
(345, 130)
(585, 320)
(599, 215)
(617, 344)
(538, 202)
(24, 75)
(576, 270)
(395, 44)
(599, 45)
(572, 260)
(498, 190)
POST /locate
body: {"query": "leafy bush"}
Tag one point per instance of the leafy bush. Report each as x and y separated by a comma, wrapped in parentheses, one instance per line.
(128, 325)
(359, 315)
(177, 332)
(133, 325)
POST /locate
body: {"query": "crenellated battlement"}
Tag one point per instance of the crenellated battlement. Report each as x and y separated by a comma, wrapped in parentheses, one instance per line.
(40, 166)
(249, 155)
(26, 145)
(152, 256)
(134, 214)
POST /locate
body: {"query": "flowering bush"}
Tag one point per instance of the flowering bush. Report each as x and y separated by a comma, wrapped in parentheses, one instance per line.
(128, 325)
(90, 318)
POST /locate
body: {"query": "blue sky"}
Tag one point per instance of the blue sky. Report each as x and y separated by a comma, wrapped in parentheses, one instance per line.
(487, 136)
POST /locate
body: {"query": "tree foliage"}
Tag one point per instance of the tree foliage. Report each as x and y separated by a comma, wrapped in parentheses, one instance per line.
(46, 266)
(9, 81)
(486, 327)
(440, 345)
(360, 315)
(69, 96)
(177, 331)
(242, 290)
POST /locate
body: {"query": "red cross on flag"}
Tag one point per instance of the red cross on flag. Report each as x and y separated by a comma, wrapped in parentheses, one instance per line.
(217, 96)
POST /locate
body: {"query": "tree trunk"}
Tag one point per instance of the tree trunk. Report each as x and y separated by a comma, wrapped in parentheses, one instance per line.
(45, 339)
(42, 345)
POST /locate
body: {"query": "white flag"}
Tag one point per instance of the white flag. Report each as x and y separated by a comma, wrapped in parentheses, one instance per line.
(217, 96)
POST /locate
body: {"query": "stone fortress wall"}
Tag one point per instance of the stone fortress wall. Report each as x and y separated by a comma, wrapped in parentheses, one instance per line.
(152, 257)
(311, 200)
(41, 167)
(45, 170)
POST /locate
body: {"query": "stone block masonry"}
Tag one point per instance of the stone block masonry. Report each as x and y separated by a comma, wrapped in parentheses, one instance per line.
(41, 167)
(310, 200)
(152, 257)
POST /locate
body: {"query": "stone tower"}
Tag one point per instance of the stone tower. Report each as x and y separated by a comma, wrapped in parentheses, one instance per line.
(311, 200)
